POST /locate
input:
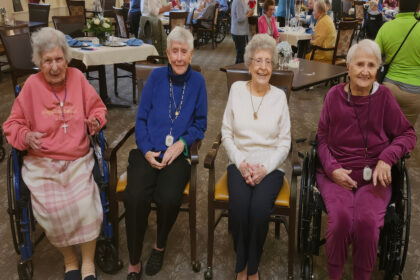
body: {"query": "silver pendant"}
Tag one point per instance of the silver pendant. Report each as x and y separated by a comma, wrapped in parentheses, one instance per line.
(61, 104)
(367, 173)
(169, 140)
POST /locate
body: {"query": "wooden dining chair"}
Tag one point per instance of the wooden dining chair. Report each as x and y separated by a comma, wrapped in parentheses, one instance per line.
(129, 67)
(39, 13)
(17, 45)
(218, 194)
(118, 183)
(77, 8)
(190, 17)
(343, 42)
(206, 33)
(177, 19)
(108, 8)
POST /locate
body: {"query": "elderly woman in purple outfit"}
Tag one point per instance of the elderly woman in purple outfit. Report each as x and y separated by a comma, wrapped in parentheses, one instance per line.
(361, 134)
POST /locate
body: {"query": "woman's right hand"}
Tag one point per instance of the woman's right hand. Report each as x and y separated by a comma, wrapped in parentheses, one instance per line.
(33, 139)
(246, 173)
(151, 159)
(341, 177)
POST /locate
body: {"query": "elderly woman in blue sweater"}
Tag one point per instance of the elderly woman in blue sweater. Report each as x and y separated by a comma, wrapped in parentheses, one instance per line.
(172, 115)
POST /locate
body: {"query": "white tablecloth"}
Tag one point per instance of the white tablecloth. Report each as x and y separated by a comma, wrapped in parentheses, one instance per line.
(112, 55)
(292, 36)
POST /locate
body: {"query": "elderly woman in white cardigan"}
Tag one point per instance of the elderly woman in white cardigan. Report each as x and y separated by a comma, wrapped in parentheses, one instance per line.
(256, 136)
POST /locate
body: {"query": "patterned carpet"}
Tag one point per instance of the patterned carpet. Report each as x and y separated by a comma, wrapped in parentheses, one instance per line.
(305, 107)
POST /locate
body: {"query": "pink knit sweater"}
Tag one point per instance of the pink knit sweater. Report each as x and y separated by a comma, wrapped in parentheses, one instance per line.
(37, 109)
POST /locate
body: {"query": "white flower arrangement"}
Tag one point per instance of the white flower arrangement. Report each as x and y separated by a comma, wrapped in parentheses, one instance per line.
(284, 49)
(99, 26)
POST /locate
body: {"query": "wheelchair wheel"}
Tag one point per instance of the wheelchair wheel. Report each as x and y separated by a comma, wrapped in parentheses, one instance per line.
(25, 270)
(302, 194)
(106, 257)
(306, 270)
(13, 210)
(221, 32)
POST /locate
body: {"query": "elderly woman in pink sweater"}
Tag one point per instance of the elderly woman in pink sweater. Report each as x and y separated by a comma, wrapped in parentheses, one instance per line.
(49, 120)
(267, 22)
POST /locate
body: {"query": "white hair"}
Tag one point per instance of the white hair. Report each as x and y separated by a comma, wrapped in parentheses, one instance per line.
(260, 42)
(365, 46)
(46, 39)
(320, 6)
(182, 35)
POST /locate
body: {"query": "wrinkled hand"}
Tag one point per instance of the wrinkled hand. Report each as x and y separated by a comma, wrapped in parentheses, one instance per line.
(167, 8)
(33, 139)
(173, 152)
(246, 173)
(151, 159)
(250, 13)
(258, 173)
(382, 173)
(93, 125)
(341, 177)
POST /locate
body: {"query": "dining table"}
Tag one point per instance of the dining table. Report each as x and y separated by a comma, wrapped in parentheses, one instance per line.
(293, 34)
(308, 73)
(107, 55)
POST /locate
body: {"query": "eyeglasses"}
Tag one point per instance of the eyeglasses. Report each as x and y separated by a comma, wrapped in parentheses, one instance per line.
(261, 61)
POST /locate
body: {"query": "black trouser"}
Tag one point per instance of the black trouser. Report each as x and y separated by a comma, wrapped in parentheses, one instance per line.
(240, 43)
(145, 185)
(134, 19)
(281, 21)
(249, 215)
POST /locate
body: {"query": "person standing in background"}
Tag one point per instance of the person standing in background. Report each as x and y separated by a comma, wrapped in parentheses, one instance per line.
(134, 16)
(240, 27)
(285, 8)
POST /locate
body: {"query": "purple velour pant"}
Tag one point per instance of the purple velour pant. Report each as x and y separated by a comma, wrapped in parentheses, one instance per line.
(354, 216)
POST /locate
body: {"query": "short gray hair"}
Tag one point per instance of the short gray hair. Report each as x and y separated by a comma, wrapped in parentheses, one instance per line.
(366, 46)
(182, 35)
(47, 39)
(260, 42)
(320, 6)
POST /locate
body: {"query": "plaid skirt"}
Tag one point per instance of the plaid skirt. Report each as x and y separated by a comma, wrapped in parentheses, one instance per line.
(65, 198)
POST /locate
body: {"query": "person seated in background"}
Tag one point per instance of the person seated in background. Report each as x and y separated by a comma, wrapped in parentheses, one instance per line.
(330, 13)
(285, 8)
(206, 14)
(362, 132)
(324, 33)
(390, 4)
(153, 8)
(50, 119)
(223, 8)
(257, 143)
(267, 23)
(311, 22)
(374, 20)
(158, 169)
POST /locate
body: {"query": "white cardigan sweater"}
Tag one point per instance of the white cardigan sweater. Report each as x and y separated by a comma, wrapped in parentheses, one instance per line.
(264, 141)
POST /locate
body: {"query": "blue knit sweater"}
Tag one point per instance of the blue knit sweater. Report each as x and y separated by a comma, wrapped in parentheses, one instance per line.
(153, 122)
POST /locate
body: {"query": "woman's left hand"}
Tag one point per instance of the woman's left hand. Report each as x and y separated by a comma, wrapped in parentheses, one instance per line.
(258, 173)
(93, 125)
(382, 173)
(173, 152)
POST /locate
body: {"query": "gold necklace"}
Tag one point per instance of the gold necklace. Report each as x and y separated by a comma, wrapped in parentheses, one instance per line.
(252, 103)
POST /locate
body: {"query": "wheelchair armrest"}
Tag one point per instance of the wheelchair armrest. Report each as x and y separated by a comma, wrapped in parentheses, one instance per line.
(212, 153)
(194, 151)
(296, 163)
(112, 149)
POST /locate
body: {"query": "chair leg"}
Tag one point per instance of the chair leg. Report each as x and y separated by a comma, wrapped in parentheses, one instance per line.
(193, 235)
(134, 82)
(277, 229)
(208, 274)
(115, 80)
(292, 230)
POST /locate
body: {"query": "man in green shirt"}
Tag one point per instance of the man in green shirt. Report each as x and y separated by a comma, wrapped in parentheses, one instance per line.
(403, 77)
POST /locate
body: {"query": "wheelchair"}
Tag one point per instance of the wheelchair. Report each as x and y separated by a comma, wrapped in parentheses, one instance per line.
(222, 27)
(26, 235)
(394, 236)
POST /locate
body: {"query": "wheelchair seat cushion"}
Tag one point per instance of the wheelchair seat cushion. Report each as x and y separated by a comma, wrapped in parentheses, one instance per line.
(221, 192)
(122, 184)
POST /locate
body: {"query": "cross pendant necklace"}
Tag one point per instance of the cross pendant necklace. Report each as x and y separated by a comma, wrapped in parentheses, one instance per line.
(61, 103)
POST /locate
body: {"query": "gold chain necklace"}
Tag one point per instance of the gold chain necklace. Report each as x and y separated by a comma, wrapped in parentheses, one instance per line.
(252, 103)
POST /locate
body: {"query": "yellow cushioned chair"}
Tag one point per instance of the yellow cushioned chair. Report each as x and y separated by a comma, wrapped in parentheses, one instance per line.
(218, 195)
(117, 184)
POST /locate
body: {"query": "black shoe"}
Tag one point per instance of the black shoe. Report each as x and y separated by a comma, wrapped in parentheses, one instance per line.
(73, 275)
(90, 277)
(135, 275)
(154, 264)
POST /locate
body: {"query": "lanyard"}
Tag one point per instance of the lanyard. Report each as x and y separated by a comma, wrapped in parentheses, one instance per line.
(364, 137)
(177, 108)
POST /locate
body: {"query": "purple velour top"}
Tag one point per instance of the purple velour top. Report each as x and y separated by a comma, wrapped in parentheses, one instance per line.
(340, 142)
